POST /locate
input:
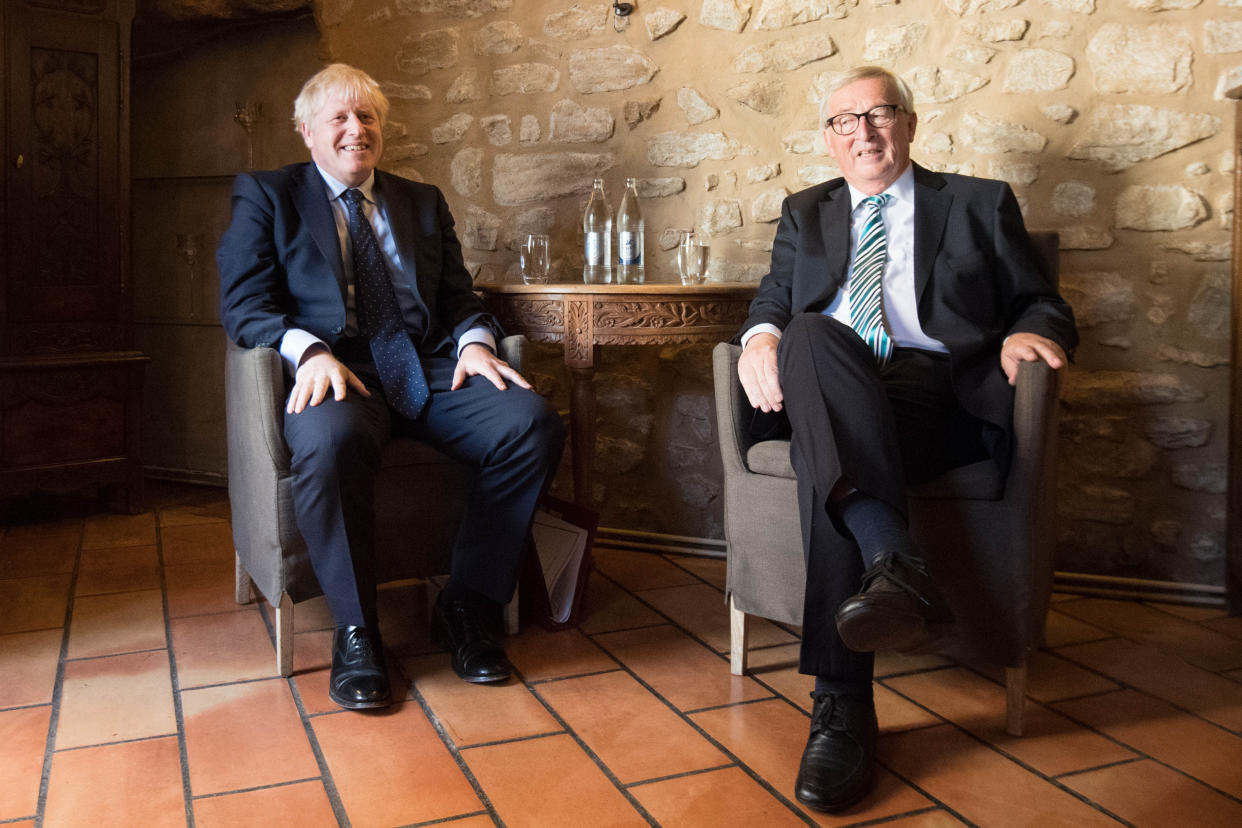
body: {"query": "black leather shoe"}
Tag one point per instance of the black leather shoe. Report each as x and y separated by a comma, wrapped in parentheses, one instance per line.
(464, 629)
(838, 764)
(358, 680)
(898, 609)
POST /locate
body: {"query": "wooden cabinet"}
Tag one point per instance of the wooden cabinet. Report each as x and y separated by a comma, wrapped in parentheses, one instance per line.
(70, 382)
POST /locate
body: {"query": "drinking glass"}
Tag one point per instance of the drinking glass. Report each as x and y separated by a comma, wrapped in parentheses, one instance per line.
(535, 262)
(692, 256)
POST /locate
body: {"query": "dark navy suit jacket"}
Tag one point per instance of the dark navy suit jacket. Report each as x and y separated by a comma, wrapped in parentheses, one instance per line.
(281, 266)
(975, 276)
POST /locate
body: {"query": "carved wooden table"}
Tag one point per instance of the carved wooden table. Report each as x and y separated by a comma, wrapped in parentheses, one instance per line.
(582, 316)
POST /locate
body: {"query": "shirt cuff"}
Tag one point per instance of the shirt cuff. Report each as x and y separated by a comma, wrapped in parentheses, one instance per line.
(481, 335)
(763, 327)
(293, 347)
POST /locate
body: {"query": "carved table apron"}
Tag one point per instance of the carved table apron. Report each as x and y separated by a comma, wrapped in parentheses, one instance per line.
(582, 316)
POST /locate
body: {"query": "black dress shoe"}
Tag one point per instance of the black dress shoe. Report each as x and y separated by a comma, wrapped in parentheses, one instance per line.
(838, 764)
(358, 680)
(464, 628)
(898, 609)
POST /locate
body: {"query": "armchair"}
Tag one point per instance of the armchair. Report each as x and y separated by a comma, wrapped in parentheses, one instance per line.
(988, 540)
(420, 495)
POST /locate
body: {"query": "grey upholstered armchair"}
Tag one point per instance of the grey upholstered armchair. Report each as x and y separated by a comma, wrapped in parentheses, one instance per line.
(420, 496)
(988, 540)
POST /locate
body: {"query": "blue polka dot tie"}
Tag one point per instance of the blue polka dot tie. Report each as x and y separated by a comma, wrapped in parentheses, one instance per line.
(867, 281)
(379, 316)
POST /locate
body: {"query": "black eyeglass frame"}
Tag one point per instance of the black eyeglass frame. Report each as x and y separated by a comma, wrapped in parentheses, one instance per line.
(870, 115)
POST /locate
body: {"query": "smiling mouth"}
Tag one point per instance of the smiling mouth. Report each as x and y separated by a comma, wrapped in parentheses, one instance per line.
(356, 147)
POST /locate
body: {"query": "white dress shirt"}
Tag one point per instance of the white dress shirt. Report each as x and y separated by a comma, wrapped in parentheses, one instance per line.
(900, 307)
(296, 341)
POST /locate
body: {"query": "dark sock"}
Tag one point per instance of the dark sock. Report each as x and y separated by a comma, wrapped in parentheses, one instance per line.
(454, 591)
(855, 688)
(877, 527)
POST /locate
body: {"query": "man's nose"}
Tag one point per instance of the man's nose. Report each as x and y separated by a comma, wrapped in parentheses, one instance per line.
(864, 129)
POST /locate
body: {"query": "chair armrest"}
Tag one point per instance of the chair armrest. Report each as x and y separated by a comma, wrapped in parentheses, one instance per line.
(513, 351)
(254, 398)
(733, 410)
(1034, 420)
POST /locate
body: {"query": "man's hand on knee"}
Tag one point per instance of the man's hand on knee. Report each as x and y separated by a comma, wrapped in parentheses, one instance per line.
(756, 369)
(318, 372)
(477, 359)
(1029, 347)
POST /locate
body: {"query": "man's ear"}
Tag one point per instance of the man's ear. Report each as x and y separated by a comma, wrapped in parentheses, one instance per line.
(828, 142)
(914, 122)
(305, 131)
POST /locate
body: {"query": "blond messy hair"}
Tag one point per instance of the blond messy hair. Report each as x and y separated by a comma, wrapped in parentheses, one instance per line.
(338, 78)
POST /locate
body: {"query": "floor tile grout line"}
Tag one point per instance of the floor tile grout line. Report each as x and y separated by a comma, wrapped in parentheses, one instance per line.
(752, 773)
(594, 757)
(448, 820)
(888, 819)
(78, 659)
(268, 787)
(1005, 755)
(1125, 685)
(657, 611)
(1105, 766)
(187, 789)
(554, 679)
(58, 687)
(325, 773)
(417, 696)
(668, 777)
(496, 742)
(149, 738)
(1142, 754)
(1130, 637)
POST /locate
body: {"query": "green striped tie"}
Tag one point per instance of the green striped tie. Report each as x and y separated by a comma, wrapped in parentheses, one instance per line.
(866, 281)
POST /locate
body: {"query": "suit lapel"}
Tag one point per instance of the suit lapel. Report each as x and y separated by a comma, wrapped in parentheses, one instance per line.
(311, 198)
(400, 211)
(931, 213)
(834, 223)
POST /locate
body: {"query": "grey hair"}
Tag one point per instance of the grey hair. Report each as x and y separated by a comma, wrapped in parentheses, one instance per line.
(352, 84)
(905, 97)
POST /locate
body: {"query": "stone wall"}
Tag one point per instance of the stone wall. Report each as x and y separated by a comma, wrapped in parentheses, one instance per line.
(1106, 116)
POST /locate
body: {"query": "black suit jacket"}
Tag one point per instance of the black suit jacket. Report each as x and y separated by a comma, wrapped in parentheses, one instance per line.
(281, 265)
(975, 276)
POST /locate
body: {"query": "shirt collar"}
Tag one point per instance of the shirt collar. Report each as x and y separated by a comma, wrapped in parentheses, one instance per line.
(901, 190)
(336, 188)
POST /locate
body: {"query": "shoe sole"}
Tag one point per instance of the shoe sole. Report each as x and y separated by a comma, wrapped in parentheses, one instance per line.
(844, 804)
(868, 630)
(440, 639)
(351, 705)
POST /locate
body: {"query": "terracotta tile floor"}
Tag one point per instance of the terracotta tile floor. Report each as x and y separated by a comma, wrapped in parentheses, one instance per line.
(134, 692)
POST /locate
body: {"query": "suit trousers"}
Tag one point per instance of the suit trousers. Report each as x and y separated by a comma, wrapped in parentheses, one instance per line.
(873, 428)
(513, 438)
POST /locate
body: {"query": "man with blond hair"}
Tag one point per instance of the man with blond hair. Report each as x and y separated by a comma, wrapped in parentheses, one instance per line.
(885, 339)
(356, 276)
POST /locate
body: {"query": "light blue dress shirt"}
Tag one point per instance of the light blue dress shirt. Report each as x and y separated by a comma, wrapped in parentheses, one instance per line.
(296, 341)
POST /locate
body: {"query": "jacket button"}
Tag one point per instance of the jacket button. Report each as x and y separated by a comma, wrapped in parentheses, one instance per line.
(338, 329)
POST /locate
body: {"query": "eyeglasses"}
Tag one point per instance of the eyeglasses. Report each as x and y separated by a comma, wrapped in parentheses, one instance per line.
(878, 117)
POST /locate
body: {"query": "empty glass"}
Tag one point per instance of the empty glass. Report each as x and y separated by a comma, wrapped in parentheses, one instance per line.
(692, 256)
(535, 261)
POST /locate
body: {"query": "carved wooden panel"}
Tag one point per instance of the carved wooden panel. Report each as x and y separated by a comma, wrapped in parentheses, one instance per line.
(65, 164)
(672, 313)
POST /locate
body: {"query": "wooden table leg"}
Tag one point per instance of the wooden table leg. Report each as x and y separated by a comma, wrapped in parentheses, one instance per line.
(582, 433)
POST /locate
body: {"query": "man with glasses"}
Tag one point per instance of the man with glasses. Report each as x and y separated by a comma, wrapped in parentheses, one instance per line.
(885, 338)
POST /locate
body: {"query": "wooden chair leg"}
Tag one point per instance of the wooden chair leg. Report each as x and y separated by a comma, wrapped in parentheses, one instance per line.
(739, 632)
(284, 635)
(1015, 686)
(241, 581)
